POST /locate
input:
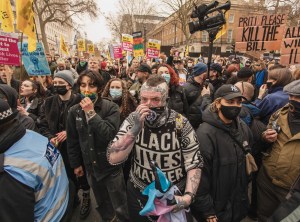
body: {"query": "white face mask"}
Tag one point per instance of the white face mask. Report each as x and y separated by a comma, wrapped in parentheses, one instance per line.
(160, 60)
(190, 65)
(234, 73)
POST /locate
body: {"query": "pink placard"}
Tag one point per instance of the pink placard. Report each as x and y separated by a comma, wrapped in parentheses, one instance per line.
(117, 52)
(9, 52)
(127, 46)
(152, 53)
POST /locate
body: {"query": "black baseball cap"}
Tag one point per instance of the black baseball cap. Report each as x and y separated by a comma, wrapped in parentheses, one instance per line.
(228, 91)
(144, 68)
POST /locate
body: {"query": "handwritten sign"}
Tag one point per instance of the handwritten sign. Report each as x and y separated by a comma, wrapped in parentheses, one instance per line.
(117, 51)
(9, 52)
(290, 47)
(153, 48)
(260, 33)
(91, 49)
(127, 42)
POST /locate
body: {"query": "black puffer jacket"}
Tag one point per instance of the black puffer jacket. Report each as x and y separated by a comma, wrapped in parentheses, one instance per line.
(223, 186)
(177, 100)
(89, 141)
(54, 115)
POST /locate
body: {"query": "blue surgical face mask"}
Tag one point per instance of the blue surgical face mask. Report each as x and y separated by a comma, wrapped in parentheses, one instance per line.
(167, 77)
(115, 93)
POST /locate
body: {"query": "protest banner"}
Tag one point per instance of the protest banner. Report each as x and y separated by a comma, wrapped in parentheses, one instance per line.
(290, 47)
(9, 52)
(35, 62)
(117, 51)
(91, 49)
(81, 45)
(127, 42)
(153, 48)
(260, 33)
(138, 44)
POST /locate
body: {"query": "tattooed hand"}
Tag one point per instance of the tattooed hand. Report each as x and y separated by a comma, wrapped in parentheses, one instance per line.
(138, 118)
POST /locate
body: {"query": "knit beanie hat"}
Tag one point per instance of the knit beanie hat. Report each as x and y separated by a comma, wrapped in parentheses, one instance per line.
(65, 75)
(6, 113)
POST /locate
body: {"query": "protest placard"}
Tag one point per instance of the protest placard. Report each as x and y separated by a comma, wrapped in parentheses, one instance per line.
(260, 33)
(153, 48)
(127, 42)
(35, 62)
(117, 51)
(290, 47)
(9, 52)
(81, 45)
(138, 44)
(91, 49)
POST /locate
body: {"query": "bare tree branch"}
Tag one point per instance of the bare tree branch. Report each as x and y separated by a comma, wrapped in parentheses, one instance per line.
(62, 11)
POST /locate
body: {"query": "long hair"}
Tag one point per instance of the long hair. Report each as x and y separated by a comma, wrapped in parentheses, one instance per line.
(128, 103)
(174, 81)
(282, 76)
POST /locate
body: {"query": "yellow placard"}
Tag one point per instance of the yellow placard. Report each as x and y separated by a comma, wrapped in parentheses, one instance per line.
(7, 16)
(127, 38)
(81, 45)
(91, 49)
(153, 44)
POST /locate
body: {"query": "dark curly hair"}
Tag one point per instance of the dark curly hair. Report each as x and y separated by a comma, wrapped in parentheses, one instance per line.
(174, 81)
(128, 103)
(36, 85)
(95, 77)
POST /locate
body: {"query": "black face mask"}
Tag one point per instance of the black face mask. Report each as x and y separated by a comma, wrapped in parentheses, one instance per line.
(61, 90)
(230, 112)
(295, 108)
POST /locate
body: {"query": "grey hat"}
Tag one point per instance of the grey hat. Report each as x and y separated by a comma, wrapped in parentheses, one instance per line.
(293, 88)
(66, 75)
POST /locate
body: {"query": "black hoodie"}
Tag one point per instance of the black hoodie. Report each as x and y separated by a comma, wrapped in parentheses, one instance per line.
(12, 99)
(223, 186)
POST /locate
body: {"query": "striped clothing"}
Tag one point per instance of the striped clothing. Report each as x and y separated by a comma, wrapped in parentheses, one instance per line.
(36, 163)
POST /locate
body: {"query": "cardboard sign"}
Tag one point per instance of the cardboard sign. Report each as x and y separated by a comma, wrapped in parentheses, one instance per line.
(9, 52)
(290, 47)
(138, 44)
(260, 33)
(153, 48)
(127, 42)
(81, 45)
(35, 62)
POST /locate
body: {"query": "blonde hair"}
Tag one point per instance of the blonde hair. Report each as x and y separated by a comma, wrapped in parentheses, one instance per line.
(213, 107)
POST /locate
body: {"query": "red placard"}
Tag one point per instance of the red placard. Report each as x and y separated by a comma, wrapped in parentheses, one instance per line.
(117, 51)
(127, 46)
(9, 52)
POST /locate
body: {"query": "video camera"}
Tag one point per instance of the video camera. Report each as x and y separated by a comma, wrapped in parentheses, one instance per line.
(204, 21)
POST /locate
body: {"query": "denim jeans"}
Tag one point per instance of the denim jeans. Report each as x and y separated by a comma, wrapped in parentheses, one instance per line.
(110, 195)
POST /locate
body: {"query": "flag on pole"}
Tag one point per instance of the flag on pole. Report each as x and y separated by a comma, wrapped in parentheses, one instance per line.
(224, 28)
(25, 22)
(6, 16)
(63, 46)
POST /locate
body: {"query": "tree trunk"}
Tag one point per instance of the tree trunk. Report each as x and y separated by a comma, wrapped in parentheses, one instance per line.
(44, 38)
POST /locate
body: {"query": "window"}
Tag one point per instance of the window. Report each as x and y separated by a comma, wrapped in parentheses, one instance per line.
(204, 36)
(229, 36)
(231, 18)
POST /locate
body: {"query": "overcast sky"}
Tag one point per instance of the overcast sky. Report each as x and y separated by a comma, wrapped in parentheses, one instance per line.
(97, 30)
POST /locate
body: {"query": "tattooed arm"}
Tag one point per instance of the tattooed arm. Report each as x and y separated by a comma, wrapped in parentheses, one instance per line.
(119, 150)
(192, 183)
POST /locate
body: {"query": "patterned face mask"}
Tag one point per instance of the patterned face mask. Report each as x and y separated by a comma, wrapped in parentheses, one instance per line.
(91, 95)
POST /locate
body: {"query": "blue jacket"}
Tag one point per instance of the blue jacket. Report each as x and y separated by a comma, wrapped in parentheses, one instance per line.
(275, 100)
(260, 78)
(37, 164)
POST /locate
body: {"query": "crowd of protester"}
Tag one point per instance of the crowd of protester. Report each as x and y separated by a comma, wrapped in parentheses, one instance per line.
(205, 131)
